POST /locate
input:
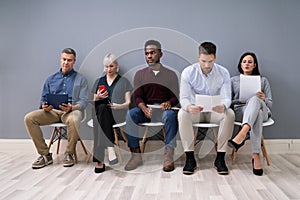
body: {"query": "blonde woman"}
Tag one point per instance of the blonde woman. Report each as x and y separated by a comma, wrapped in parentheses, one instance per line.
(112, 98)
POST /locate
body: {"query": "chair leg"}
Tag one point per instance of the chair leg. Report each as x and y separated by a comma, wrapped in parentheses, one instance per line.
(59, 133)
(75, 155)
(52, 138)
(85, 152)
(83, 147)
(124, 136)
(264, 150)
(90, 154)
(144, 140)
(195, 136)
(117, 144)
(164, 134)
(234, 156)
(215, 135)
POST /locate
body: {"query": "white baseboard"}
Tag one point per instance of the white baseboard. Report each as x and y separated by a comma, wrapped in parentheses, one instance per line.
(274, 146)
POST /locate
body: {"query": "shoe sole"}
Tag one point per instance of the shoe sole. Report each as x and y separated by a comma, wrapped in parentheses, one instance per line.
(189, 172)
(68, 165)
(41, 166)
(129, 169)
(168, 170)
(99, 170)
(222, 172)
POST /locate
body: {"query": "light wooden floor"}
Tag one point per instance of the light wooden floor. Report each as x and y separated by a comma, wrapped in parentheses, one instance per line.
(18, 181)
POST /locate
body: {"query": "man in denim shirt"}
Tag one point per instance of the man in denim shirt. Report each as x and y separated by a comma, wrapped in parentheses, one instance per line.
(65, 81)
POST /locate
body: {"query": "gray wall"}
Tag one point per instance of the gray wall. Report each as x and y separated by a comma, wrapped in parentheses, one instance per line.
(33, 32)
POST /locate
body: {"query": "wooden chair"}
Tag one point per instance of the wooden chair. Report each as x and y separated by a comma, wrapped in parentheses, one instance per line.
(147, 126)
(263, 146)
(116, 127)
(60, 132)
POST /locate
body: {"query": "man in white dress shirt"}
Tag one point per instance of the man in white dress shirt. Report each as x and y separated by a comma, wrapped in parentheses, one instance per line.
(205, 78)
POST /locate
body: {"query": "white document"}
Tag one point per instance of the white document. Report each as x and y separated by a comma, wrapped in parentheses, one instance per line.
(249, 86)
(208, 102)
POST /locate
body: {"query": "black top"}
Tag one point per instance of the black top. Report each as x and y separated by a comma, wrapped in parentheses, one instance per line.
(116, 91)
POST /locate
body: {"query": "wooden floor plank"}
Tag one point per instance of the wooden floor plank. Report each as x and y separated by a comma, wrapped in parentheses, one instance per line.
(18, 181)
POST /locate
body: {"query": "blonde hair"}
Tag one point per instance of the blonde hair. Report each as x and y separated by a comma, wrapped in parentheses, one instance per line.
(109, 59)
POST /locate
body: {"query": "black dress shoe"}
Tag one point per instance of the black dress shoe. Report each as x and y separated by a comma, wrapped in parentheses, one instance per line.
(221, 167)
(257, 172)
(234, 145)
(100, 170)
(190, 166)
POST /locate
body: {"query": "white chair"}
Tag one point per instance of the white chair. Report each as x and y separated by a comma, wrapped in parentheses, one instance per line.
(207, 125)
(147, 126)
(115, 128)
(60, 132)
(263, 146)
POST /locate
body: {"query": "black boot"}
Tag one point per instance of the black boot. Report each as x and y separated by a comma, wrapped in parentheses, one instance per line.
(190, 163)
(220, 164)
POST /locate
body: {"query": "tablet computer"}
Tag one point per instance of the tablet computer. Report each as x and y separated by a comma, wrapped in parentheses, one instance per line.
(57, 99)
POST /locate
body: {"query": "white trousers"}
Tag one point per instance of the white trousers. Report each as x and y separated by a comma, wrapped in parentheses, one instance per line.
(186, 131)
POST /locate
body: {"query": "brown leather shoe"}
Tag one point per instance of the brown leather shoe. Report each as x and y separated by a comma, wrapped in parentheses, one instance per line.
(168, 159)
(135, 160)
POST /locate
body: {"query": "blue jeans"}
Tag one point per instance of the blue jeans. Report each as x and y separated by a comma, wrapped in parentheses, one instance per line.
(136, 116)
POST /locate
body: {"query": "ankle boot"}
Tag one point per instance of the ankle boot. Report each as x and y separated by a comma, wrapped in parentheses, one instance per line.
(168, 159)
(135, 160)
(190, 163)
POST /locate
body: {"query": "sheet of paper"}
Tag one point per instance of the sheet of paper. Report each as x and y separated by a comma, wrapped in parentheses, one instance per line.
(249, 86)
(207, 102)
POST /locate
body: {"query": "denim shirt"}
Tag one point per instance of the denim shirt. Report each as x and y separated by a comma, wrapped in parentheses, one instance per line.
(72, 83)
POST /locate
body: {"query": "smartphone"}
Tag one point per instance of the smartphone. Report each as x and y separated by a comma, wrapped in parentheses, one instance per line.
(102, 87)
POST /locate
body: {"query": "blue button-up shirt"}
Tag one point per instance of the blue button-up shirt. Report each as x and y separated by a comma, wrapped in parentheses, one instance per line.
(193, 82)
(72, 83)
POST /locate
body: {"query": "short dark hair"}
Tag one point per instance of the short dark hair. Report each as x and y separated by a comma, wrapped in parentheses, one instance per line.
(69, 51)
(255, 70)
(207, 48)
(153, 42)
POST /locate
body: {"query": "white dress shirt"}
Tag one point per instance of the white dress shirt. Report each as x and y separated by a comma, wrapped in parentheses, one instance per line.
(193, 82)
